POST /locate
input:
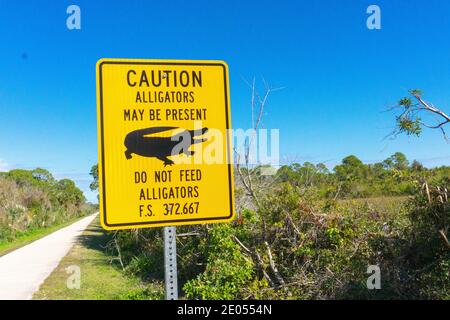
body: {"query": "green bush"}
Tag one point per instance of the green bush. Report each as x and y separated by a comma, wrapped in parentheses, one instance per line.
(228, 272)
(33, 199)
(155, 291)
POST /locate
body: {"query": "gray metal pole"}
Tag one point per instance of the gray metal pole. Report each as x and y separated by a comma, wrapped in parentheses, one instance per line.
(170, 263)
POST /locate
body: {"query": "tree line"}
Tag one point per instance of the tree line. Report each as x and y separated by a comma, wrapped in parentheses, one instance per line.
(352, 178)
(34, 199)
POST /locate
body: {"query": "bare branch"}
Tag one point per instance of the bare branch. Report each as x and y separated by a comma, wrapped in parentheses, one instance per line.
(264, 272)
(273, 267)
(119, 257)
(431, 108)
(247, 250)
(409, 120)
(444, 237)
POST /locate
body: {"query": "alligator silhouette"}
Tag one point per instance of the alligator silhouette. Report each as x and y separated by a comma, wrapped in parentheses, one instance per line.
(138, 143)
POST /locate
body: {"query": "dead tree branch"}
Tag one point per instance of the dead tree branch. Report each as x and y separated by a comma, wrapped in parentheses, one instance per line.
(273, 267)
(444, 237)
(410, 121)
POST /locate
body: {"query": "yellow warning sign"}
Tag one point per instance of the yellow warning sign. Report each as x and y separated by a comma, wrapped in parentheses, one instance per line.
(164, 133)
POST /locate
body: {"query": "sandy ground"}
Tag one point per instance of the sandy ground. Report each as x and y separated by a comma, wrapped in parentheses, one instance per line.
(25, 269)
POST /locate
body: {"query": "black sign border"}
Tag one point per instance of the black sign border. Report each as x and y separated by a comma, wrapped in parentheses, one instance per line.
(176, 222)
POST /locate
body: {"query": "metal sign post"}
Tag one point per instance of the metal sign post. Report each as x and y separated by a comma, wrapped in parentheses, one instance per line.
(170, 263)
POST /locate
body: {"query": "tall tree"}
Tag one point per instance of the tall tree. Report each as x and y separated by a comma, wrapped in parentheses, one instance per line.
(417, 166)
(397, 161)
(94, 173)
(351, 168)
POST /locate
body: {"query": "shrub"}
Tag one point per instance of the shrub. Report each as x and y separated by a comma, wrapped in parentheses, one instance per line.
(227, 271)
(31, 199)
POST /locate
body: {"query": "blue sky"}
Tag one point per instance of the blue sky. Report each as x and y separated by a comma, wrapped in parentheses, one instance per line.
(337, 75)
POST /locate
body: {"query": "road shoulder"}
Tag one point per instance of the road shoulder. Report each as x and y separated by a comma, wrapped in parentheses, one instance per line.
(99, 279)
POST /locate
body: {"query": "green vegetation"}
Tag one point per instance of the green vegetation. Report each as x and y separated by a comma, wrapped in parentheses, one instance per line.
(33, 203)
(23, 238)
(99, 278)
(394, 176)
(311, 233)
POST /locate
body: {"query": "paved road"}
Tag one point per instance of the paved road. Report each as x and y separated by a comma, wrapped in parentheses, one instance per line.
(25, 269)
